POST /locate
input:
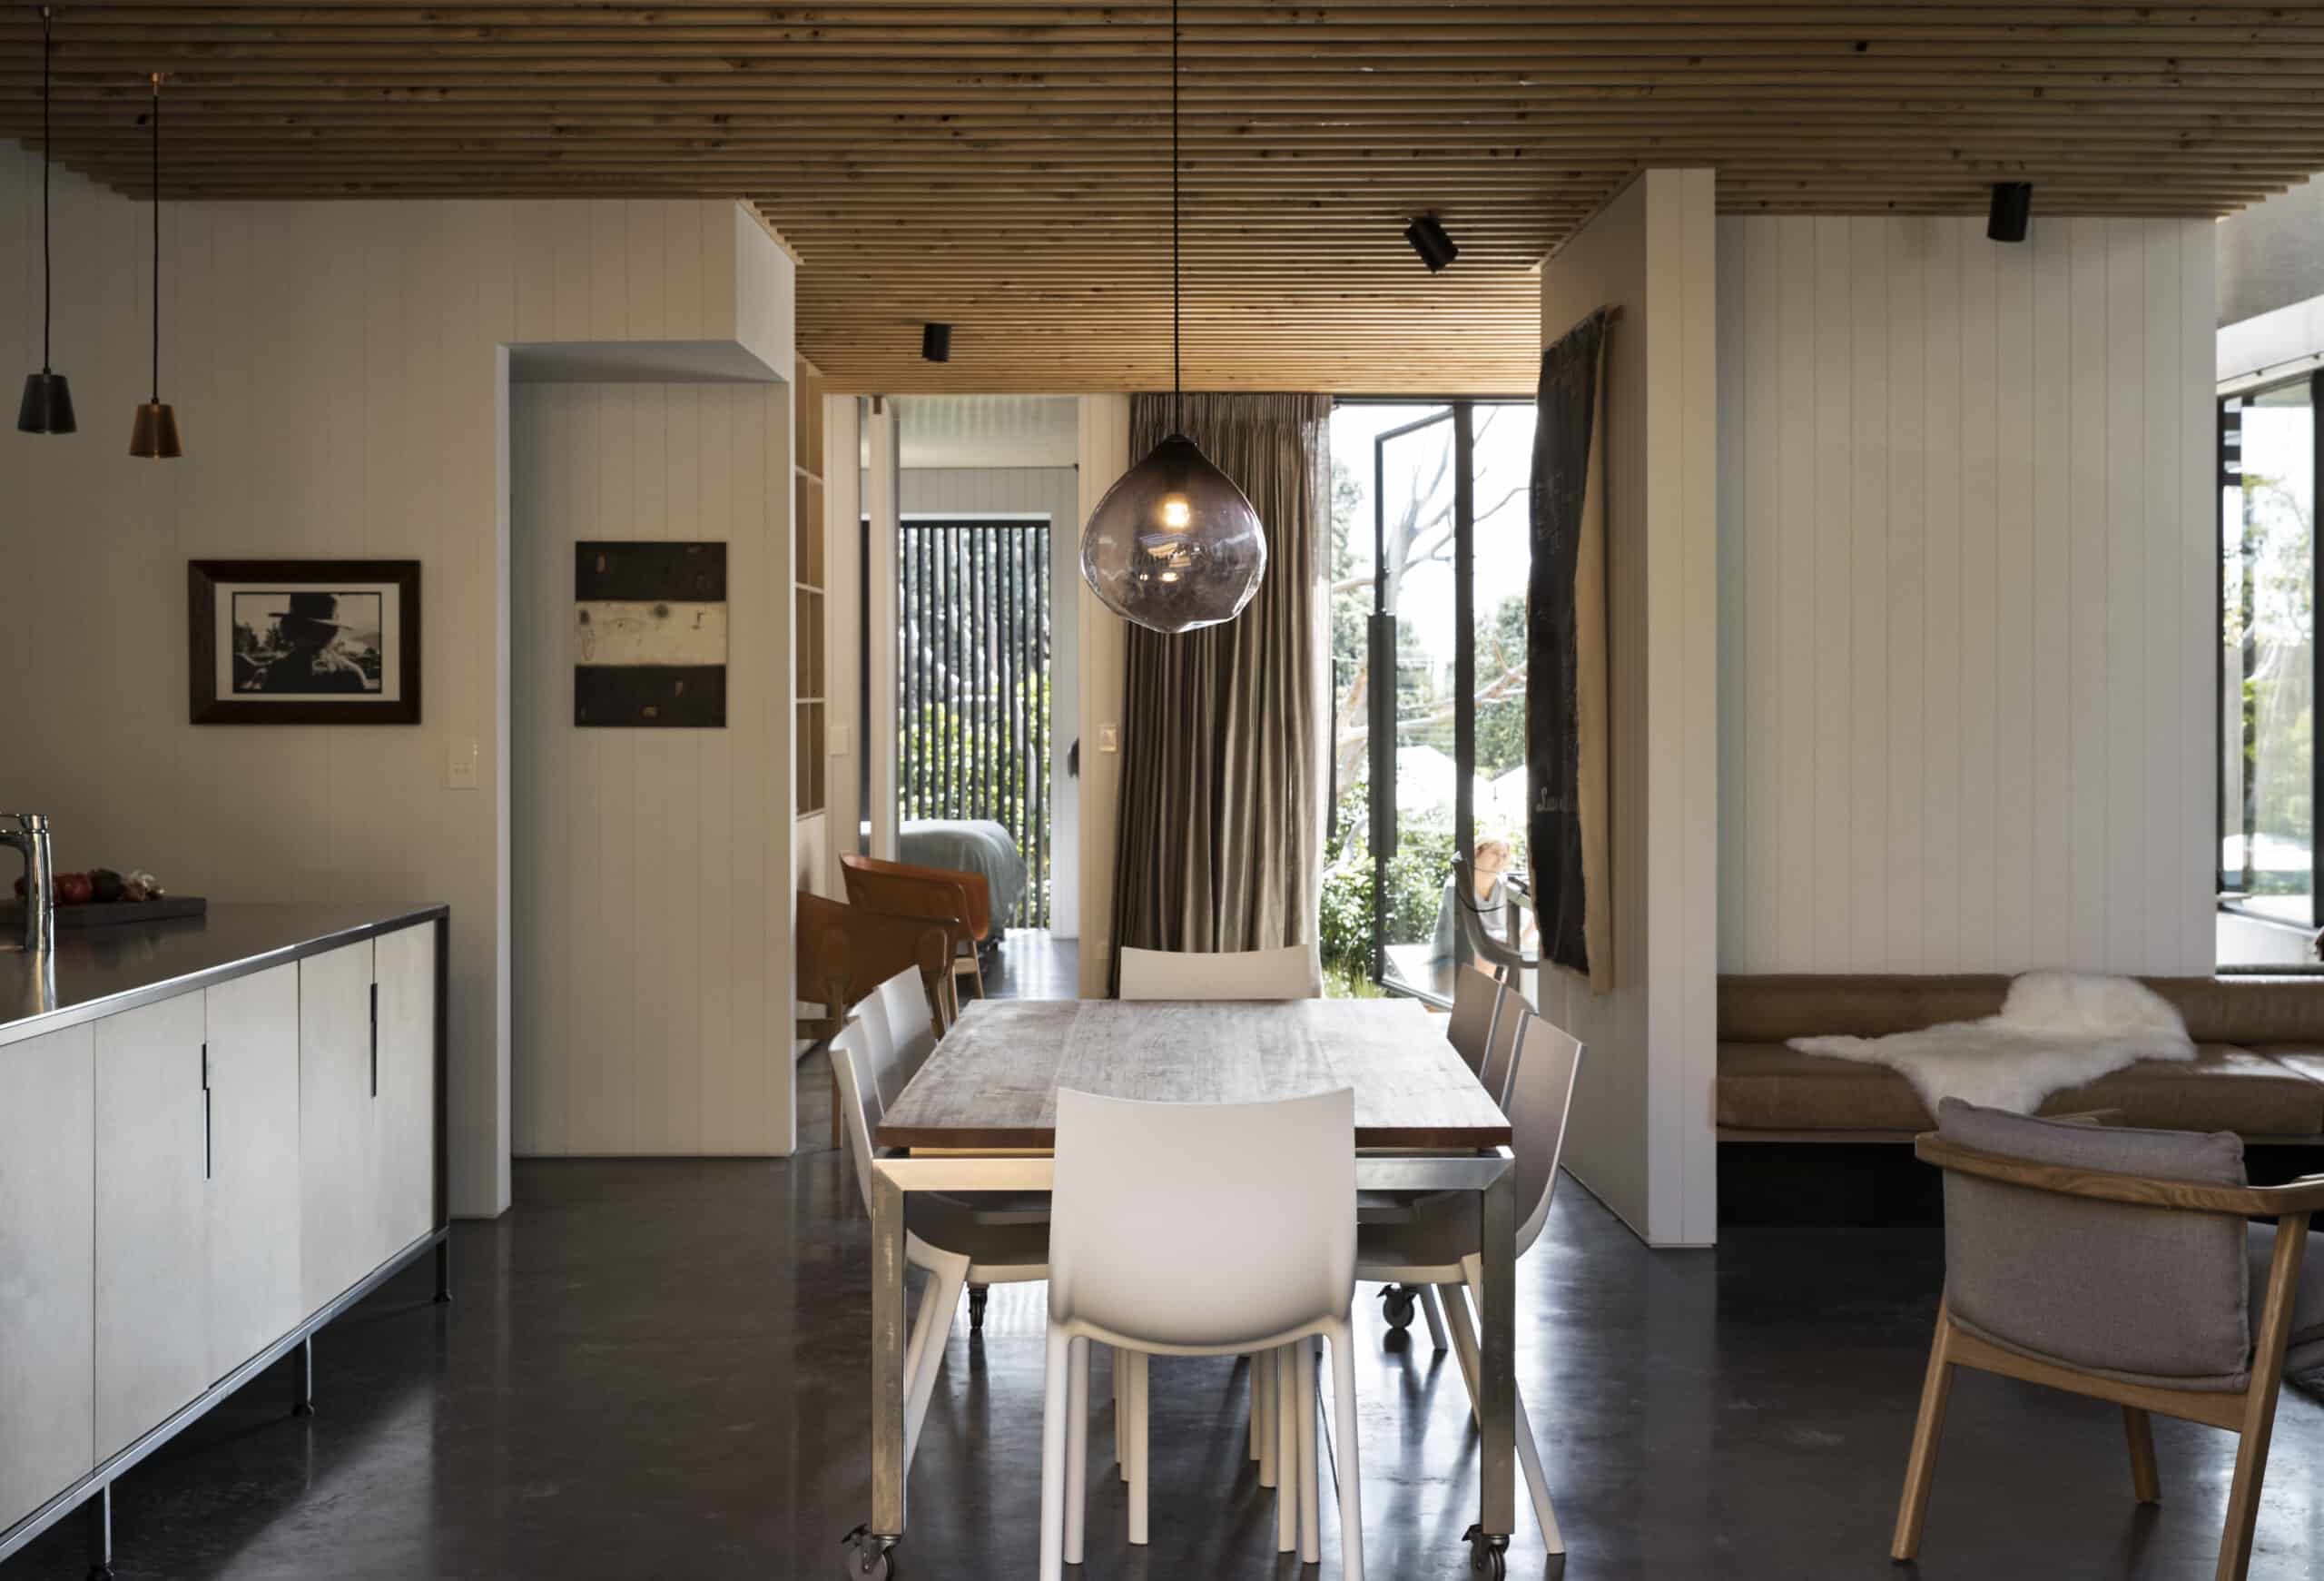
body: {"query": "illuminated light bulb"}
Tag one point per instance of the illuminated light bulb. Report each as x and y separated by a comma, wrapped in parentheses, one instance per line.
(1175, 514)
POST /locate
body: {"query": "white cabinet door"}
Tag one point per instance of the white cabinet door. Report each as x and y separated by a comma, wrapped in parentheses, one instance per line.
(405, 966)
(153, 1340)
(47, 1267)
(339, 1233)
(253, 1290)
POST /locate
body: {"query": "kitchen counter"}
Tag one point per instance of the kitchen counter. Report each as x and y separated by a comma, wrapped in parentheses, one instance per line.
(99, 972)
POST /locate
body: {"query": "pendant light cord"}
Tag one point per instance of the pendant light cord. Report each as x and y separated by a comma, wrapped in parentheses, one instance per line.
(47, 265)
(1177, 372)
(157, 238)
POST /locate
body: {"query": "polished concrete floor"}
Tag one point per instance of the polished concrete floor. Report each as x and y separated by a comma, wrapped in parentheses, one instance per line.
(657, 1370)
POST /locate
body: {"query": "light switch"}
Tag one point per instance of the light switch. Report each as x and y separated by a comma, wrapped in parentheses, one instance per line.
(459, 767)
(1106, 739)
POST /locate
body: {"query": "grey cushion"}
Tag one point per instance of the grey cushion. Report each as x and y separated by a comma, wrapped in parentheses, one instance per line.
(2307, 1348)
(2143, 1294)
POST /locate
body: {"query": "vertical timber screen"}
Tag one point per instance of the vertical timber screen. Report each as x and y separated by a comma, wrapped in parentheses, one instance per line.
(972, 678)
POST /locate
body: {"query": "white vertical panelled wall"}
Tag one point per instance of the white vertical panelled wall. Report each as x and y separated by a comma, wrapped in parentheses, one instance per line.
(644, 915)
(1054, 492)
(1645, 1143)
(1966, 594)
(339, 373)
(1104, 449)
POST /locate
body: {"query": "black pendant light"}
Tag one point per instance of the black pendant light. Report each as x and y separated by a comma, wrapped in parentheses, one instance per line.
(47, 406)
(1173, 544)
(154, 435)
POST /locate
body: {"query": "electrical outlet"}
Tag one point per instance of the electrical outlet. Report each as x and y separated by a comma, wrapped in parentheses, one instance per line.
(459, 766)
(1106, 739)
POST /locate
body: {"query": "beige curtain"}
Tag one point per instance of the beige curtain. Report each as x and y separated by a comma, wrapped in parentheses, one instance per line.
(1215, 844)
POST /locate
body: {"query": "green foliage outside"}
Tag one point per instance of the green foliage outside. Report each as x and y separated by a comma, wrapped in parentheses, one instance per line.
(1416, 876)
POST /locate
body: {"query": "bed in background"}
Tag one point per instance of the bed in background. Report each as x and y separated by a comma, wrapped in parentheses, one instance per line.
(971, 846)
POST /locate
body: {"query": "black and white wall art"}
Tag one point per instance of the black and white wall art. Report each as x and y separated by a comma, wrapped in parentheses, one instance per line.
(303, 642)
(649, 635)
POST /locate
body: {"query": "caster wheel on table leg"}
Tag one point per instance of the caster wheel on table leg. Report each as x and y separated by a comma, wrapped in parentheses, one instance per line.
(101, 1573)
(1397, 1304)
(978, 1296)
(865, 1557)
(1488, 1555)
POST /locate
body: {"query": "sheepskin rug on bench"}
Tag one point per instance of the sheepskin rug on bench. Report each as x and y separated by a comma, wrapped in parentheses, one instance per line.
(2056, 1030)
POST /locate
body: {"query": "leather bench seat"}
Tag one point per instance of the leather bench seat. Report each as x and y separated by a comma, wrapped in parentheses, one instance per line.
(2267, 1082)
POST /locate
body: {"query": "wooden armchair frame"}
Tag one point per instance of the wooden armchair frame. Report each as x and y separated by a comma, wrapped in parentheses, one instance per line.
(932, 894)
(2251, 1414)
(846, 951)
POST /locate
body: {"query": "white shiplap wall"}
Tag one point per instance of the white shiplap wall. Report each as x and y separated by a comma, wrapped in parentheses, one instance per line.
(336, 371)
(1104, 449)
(645, 914)
(1647, 1149)
(1965, 596)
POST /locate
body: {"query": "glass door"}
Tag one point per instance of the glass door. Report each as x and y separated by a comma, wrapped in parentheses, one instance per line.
(1431, 555)
(2268, 655)
(1415, 724)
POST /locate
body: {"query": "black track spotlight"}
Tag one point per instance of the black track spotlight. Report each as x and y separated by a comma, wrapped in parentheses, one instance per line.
(936, 342)
(1428, 239)
(2013, 203)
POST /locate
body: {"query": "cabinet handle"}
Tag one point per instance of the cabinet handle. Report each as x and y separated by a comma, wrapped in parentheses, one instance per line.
(375, 1040)
(205, 1113)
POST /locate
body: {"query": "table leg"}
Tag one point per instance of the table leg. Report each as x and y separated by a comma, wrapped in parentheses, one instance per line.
(1497, 1374)
(888, 1340)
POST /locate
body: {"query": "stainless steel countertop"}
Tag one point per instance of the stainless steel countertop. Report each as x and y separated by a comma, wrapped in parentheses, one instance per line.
(99, 972)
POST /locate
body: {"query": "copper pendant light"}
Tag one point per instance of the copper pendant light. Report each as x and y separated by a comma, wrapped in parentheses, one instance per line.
(154, 434)
(47, 407)
(1174, 545)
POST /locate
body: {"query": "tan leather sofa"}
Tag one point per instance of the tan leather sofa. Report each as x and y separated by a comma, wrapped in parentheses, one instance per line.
(2261, 1071)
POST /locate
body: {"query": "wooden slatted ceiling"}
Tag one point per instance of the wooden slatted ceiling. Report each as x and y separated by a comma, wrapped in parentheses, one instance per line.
(1004, 167)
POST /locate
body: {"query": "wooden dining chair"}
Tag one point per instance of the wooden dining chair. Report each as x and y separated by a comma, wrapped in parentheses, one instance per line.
(934, 895)
(845, 952)
(2119, 1264)
(976, 890)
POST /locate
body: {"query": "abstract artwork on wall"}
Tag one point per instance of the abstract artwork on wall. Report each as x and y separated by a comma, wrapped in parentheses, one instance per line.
(1565, 683)
(649, 635)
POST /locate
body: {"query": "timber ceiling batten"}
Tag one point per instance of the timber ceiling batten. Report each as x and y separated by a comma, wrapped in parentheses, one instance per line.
(992, 166)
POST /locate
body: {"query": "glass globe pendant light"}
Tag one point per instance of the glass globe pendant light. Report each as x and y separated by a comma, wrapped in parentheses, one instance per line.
(1174, 545)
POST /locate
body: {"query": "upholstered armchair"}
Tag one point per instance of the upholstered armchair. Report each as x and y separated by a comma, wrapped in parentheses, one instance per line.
(2119, 1264)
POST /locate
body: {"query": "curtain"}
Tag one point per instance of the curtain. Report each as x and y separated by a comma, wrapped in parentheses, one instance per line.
(1216, 837)
(1565, 689)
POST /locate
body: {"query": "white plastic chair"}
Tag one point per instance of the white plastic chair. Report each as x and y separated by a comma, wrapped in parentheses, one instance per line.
(1486, 1029)
(1439, 1245)
(1293, 972)
(946, 1238)
(1258, 1200)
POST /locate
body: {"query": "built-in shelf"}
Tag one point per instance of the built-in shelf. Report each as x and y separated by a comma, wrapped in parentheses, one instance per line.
(811, 737)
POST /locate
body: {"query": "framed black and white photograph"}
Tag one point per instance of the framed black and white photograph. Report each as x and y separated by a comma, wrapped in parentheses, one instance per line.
(303, 642)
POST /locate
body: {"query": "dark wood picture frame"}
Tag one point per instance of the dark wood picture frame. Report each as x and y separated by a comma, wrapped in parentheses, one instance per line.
(205, 707)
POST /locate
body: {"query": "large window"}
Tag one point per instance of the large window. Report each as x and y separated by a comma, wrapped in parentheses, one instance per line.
(1431, 555)
(2268, 446)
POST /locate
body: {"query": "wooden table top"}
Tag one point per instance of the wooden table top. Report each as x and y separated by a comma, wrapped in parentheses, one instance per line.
(992, 1082)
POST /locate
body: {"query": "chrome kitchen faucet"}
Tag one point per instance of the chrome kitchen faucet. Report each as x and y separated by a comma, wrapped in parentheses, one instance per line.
(29, 833)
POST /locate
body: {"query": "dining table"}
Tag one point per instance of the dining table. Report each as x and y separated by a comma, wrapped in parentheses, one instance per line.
(980, 1115)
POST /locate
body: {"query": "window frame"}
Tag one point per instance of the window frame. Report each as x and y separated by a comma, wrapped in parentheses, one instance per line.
(2237, 901)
